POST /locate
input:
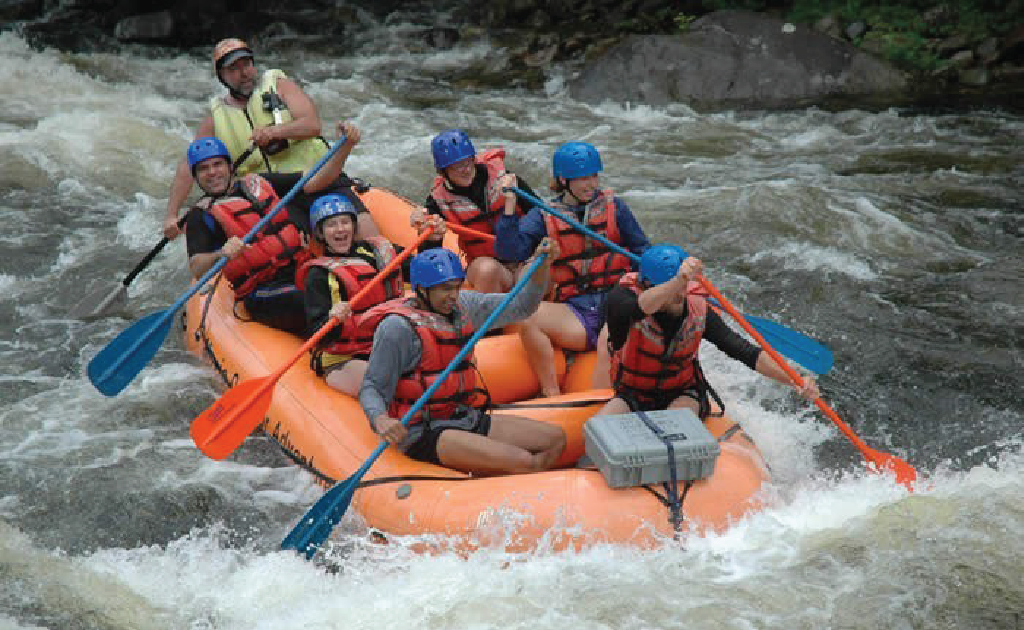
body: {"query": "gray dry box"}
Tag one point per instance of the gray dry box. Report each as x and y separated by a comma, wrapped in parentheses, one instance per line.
(628, 453)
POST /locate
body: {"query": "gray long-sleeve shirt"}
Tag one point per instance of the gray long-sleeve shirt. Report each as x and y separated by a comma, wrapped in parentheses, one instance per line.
(397, 348)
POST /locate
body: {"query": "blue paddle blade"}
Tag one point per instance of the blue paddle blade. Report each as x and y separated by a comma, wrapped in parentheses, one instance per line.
(316, 524)
(791, 344)
(123, 358)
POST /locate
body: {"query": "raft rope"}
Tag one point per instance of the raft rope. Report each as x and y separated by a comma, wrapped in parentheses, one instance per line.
(675, 504)
(565, 404)
(201, 334)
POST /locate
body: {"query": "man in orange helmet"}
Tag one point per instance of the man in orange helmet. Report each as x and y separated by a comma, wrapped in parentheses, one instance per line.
(268, 124)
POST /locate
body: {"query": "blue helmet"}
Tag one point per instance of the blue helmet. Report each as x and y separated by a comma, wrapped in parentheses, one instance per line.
(328, 206)
(576, 159)
(435, 266)
(448, 147)
(205, 148)
(660, 263)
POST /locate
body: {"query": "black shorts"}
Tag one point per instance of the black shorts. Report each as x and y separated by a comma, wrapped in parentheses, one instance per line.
(656, 401)
(425, 448)
(278, 305)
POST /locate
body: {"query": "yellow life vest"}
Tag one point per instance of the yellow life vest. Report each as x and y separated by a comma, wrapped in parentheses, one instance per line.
(234, 127)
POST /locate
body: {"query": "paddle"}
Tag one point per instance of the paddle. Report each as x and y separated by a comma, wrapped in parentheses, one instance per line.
(122, 359)
(108, 298)
(316, 525)
(904, 472)
(797, 346)
(879, 461)
(224, 425)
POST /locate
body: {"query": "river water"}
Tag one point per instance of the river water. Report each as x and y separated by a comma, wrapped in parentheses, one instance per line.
(892, 236)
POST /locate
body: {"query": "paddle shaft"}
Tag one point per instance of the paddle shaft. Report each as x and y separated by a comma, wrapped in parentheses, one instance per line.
(145, 261)
(310, 521)
(465, 231)
(357, 299)
(782, 363)
(160, 322)
(480, 332)
(150, 256)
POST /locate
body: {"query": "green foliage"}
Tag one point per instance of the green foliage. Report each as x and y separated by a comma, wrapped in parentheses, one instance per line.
(896, 28)
(749, 5)
(684, 21)
(658, 21)
(908, 40)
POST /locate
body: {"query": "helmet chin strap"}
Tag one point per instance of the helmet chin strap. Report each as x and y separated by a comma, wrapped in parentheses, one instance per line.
(568, 189)
(421, 295)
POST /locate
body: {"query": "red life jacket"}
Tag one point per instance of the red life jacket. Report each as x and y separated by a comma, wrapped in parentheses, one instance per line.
(441, 339)
(647, 362)
(354, 273)
(585, 265)
(277, 246)
(460, 210)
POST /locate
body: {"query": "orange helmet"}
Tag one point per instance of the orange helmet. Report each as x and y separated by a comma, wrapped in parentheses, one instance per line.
(227, 51)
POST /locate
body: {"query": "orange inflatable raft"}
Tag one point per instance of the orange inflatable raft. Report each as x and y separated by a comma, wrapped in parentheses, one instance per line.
(327, 433)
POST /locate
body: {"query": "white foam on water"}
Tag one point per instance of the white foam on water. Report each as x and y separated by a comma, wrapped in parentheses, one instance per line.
(797, 559)
(8, 286)
(10, 623)
(66, 586)
(807, 257)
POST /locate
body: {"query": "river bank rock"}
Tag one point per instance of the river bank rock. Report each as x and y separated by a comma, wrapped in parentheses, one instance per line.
(736, 59)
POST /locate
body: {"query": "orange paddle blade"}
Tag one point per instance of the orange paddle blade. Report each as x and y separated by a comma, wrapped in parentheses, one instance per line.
(886, 462)
(222, 428)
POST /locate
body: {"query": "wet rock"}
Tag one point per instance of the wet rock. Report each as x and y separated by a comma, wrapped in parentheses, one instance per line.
(830, 26)
(735, 59)
(442, 38)
(1009, 71)
(542, 57)
(1013, 45)
(939, 15)
(988, 50)
(539, 20)
(962, 59)
(951, 45)
(11, 10)
(149, 27)
(976, 77)
(855, 30)
(875, 42)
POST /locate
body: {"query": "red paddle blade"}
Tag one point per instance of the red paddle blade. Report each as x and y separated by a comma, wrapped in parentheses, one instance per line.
(222, 428)
(885, 462)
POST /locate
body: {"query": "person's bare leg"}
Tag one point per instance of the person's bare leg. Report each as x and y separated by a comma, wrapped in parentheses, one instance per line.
(601, 376)
(685, 402)
(513, 445)
(348, 378)
(552, 324)
(614, 407)
(487, 275)
(545, 441)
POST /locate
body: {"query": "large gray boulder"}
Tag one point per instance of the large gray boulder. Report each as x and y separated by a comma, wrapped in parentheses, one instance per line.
(736, 59)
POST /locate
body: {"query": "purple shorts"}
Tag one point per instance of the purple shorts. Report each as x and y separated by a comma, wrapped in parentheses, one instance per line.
(592, 319)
